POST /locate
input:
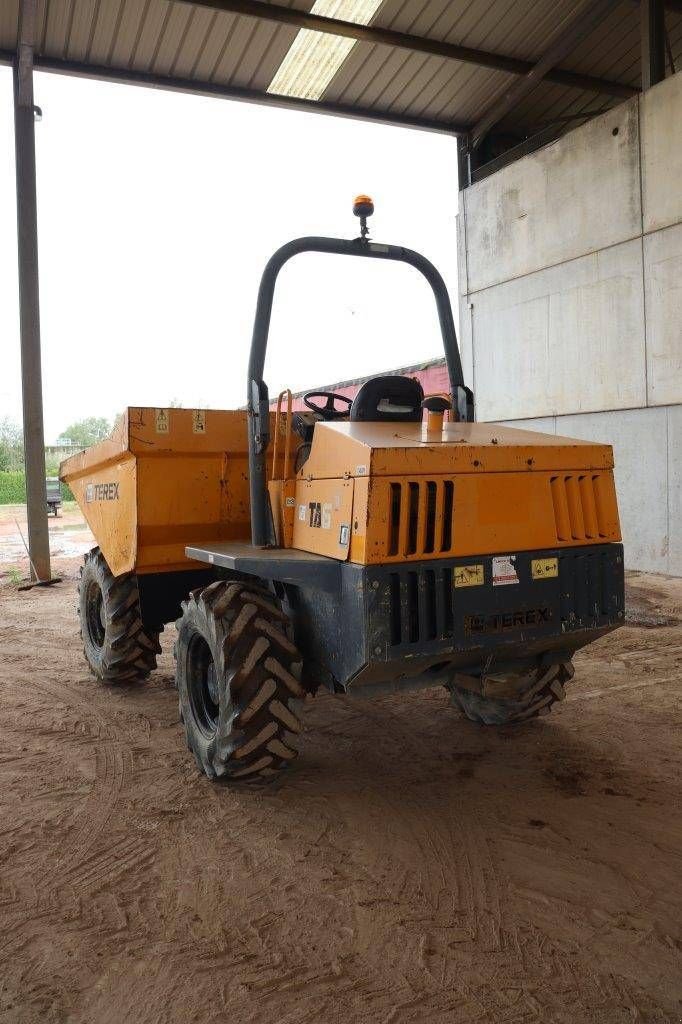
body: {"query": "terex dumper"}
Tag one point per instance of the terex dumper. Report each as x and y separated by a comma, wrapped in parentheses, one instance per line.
(363, 545)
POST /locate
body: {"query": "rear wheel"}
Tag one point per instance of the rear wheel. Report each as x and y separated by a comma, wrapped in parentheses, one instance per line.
(510, 698)
(238, 672)
(117, 647)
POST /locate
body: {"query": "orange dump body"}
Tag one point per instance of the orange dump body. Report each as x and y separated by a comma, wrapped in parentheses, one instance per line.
(164, 478)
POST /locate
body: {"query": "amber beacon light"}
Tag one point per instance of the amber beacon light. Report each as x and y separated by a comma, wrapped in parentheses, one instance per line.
(363, 207)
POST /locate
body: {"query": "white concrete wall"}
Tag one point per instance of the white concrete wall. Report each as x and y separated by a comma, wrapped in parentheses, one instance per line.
(516, 222)
(544, 329)
(661, 133)
(571, 303)
(662, 254)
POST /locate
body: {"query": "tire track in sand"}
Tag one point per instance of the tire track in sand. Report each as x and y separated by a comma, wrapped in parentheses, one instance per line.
(82, 868)
(432, 875)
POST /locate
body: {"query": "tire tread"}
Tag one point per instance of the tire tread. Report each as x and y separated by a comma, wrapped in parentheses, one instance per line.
(130, 649)
(259, 669)
(534, 701)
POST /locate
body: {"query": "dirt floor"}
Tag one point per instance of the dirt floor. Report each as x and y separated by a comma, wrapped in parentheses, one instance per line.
(412, 867)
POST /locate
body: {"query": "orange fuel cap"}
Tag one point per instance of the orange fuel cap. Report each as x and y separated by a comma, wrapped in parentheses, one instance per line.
(363, 206)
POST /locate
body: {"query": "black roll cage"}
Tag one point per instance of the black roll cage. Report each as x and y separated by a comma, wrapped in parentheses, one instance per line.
(258, 405)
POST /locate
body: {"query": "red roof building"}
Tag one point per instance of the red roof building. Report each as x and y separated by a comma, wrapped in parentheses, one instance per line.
(432, 375)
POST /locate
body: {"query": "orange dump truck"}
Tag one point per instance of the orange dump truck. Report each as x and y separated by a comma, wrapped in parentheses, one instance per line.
(383, 543)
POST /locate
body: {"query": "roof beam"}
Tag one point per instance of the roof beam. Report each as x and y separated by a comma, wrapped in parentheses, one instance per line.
(570, 35)
(126, 76)
(403, 40)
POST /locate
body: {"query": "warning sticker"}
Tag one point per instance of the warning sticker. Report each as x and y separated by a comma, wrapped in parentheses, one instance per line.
(545, 568)
(301, 513)
(290, 503)
(327, 516)
(162, 421)
(504, 570)
(469, 576)
(198, 421)
(361, 470)
(315, 514)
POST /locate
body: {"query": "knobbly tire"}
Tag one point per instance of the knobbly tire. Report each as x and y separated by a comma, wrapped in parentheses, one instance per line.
(117, 647)
(505, 700)
(237, 671)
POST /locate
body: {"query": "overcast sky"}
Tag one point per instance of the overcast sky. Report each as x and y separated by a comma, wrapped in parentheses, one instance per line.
(157, 213)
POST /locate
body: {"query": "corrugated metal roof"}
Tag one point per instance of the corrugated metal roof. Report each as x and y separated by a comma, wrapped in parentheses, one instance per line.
(189, 46)
(619, 61)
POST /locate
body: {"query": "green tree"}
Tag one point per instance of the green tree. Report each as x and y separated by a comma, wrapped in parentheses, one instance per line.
(11, 446)
(88, 431)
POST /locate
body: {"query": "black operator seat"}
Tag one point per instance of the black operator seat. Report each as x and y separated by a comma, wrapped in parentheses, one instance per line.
(391, 399)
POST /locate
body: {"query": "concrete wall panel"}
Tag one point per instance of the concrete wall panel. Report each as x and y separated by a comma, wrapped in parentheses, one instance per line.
(661, 134)
(460, 228)
(566, 339)
(464, 332)
(578, 195)
(675, 490)
(466, 343)
(663, 291)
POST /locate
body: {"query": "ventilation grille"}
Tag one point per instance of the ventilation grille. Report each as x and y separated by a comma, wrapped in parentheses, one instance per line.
(420, 517)
(591, 589)
(420, 606)
(580, 505)
(425, 610)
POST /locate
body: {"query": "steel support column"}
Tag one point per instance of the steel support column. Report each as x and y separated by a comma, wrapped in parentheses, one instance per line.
(653, 42)
(463, 162)
(29, 309)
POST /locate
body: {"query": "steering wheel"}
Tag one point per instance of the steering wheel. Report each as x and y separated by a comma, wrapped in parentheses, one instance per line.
(327, 411)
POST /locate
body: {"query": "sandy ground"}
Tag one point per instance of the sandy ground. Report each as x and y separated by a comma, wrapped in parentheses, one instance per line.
(412, 867)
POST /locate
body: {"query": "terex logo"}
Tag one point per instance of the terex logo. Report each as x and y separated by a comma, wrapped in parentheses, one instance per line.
(101, 492)
(500, 623)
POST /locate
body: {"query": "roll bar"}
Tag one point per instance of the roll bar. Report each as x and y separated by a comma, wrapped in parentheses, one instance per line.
(257, 392)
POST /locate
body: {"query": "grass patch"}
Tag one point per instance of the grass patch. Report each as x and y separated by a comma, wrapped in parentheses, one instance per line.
(13, 489)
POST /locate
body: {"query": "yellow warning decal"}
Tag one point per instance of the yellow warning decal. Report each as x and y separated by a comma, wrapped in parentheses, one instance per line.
(469, 576)
(162, 421)
(545, 568)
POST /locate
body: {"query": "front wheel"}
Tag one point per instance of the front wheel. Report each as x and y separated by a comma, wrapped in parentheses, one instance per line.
(510, 698)
(117, 646)
(237, 673)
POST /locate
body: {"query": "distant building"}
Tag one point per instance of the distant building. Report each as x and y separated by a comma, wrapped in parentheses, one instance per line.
(65, 445)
